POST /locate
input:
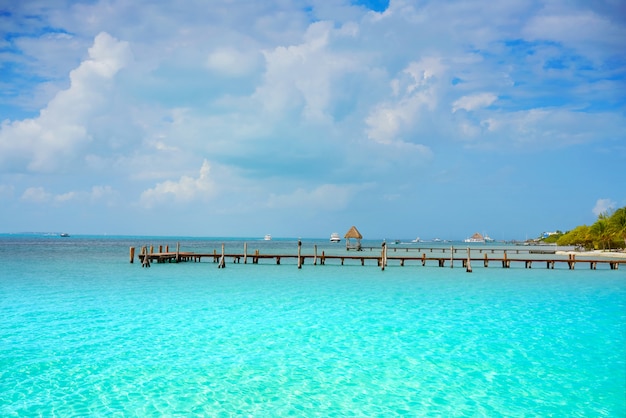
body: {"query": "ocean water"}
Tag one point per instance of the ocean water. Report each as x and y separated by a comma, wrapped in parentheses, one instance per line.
(83, 332)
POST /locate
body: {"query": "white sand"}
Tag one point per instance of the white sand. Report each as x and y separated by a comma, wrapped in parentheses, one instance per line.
(595, 253)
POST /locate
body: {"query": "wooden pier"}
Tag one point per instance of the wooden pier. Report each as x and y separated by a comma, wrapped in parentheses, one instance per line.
(441, 257)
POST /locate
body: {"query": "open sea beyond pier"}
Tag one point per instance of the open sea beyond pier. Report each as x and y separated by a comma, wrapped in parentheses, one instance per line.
(83, 332)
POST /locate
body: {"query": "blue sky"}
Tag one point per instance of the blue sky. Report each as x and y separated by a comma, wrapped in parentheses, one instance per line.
(300, 118)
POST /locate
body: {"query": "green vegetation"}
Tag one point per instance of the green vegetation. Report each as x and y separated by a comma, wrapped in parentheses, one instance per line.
(552, 239)
(608, 232)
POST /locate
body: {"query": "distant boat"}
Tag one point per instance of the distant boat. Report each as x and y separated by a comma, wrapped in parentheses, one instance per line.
(64, 234)
(334, 237)
(488, 238)
(268, 237)
(416, 239)
(436, 240)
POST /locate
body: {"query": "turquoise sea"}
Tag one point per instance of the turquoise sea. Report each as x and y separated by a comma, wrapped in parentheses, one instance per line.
(83, 332)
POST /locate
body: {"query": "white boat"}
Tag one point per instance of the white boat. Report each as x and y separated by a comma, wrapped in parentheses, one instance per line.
(268, 237)
(334, 237)
(64, 234)
(416, 239)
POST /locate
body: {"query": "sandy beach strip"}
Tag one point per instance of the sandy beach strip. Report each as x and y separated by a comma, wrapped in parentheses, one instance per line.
(595, 254)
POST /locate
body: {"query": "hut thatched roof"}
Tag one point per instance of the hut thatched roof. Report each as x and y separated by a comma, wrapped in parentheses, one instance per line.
(353, 233)
(477, 236)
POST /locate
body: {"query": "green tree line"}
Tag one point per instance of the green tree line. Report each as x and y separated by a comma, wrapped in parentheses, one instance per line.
(608, 232)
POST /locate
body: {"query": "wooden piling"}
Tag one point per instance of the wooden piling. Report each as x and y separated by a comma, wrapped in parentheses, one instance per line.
(146, 259)
(571, 261)
(315, 255)
(222, 263)
(469, 265)
(452, 257)
(132, 255)
(382, 256)
(486, 262)
(299, 254)
(245, 253)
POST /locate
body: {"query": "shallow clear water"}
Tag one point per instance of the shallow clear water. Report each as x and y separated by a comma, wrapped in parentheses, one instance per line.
(84, 332)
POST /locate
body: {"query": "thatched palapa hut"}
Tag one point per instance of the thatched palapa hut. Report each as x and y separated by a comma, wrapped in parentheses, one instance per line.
(475, 238)
(353, 233)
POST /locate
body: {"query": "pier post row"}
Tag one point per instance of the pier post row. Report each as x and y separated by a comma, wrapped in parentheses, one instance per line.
(436, 257)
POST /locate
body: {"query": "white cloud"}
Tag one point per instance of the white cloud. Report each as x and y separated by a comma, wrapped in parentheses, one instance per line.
(584, 30)
(385, 121)
(414, 91)
(184, 190)
(65, 197)
(602, 206)
(301, 76)
(232, 62)
(49, 141)
(423, 72)
(473, 102)
(544, 128)
(96, 194)
(36, 195)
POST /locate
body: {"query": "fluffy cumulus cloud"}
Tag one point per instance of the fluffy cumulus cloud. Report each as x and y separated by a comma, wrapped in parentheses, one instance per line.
(603, 206)
(182, 190)
(304, 75)
(61, 129)
(413, 95)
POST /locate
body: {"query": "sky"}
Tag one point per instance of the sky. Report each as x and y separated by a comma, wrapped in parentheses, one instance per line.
(298, 118)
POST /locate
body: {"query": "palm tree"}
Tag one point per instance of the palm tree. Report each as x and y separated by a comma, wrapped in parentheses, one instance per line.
(600, 230)
(617, 223)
